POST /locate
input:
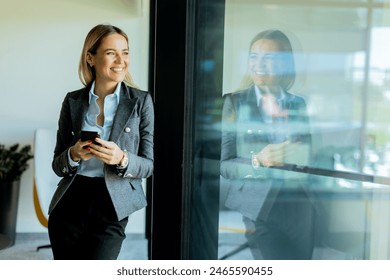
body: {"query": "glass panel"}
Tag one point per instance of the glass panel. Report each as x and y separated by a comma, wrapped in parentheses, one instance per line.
(305, 145)
(378, 147)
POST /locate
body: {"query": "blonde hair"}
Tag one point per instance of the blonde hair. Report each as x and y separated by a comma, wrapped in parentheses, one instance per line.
(91, 44)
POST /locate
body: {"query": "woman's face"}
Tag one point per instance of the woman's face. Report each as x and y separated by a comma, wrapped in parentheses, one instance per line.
(111, 60)
(265, 63)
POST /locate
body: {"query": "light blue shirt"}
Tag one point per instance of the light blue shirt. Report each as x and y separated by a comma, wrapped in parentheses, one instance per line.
(278, 129)
(282, 95)
(94, 167)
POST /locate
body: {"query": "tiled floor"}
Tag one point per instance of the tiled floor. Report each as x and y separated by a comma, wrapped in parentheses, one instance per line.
(25, 248)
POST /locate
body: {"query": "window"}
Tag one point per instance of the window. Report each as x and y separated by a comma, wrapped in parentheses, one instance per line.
(342, 74)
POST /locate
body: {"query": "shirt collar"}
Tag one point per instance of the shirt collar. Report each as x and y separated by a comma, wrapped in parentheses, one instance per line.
(281, 96)
(115, 93)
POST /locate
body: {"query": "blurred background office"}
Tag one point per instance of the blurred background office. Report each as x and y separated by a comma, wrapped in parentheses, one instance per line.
(39, 54)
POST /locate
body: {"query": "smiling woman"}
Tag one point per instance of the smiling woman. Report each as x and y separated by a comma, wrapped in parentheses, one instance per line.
(109, 62)
(106, 52)
(101, 177)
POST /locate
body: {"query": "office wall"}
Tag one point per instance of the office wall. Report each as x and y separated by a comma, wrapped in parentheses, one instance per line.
(40, 47)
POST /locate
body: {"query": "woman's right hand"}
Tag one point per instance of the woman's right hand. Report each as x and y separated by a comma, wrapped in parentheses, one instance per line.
(81, 151)
(282, 153)
(271, 155)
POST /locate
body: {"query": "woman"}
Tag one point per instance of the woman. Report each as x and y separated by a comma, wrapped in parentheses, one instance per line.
(101, 184)
(266, 131)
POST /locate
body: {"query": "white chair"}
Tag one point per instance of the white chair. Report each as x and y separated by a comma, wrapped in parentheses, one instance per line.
(45, 180)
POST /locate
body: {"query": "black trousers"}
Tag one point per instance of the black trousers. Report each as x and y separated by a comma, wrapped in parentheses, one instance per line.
(84, 225)
(288, 232)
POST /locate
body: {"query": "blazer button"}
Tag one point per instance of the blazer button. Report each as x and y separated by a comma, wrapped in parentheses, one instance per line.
(127, 129)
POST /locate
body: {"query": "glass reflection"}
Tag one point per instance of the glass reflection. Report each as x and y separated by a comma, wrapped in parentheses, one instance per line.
(338, 75)
(264, 128)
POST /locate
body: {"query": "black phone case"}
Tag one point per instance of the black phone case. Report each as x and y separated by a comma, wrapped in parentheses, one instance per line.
(88, 135)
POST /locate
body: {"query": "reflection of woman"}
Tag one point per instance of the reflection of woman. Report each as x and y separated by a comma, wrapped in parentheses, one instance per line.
(101, 183)
(265, 127)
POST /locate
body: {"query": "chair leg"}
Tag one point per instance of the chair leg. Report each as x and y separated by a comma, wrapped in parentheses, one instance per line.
(43, 247)
(235, 251)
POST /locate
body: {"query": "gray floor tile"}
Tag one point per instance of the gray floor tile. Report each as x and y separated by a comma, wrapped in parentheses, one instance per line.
(25, 248)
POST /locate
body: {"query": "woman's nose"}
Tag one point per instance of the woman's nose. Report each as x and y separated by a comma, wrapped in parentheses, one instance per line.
(119, 59)
(259, 63)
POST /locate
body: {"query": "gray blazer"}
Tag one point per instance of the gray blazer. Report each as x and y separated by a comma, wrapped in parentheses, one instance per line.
(132, 130)
(252, 192)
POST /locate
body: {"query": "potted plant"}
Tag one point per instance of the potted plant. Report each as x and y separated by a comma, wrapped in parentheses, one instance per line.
(13, 162)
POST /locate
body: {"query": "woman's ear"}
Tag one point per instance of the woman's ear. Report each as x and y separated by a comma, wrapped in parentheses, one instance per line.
(90, 59)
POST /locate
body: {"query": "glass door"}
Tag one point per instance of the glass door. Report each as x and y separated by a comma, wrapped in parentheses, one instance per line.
(287, 136)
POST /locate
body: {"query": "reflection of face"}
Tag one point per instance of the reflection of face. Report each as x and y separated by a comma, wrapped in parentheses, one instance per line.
(264, 65)
(111, 60)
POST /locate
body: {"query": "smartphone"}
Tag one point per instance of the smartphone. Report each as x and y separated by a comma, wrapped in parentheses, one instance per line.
(89, 135)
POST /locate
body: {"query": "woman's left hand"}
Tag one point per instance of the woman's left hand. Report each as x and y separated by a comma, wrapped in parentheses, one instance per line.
(107, 151)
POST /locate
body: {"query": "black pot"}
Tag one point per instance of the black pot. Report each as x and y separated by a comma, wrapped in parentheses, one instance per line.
(9, 199)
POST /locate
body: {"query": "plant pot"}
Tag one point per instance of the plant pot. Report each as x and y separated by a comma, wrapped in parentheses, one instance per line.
(9, 199)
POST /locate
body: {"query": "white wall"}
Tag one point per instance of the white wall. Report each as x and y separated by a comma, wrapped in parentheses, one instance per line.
(41, 43)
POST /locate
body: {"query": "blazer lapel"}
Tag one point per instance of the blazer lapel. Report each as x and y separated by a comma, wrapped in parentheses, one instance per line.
(251, 100)
(124, 111)
(78, 109)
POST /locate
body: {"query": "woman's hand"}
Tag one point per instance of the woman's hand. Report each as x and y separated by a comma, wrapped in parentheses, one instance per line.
(271, 155)
(107, 151)
(80, 151)
(279, 154)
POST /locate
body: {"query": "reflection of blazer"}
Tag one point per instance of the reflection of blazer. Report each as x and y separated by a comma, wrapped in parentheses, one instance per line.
(244, 131)
(132, 130)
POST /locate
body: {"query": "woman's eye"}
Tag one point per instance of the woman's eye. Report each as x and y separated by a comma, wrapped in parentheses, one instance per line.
(252, 56)
(268, 58)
